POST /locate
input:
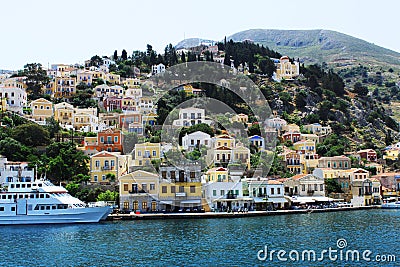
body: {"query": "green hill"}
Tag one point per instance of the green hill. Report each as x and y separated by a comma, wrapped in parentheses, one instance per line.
(317, 46)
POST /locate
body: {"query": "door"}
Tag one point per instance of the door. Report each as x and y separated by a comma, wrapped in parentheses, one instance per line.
(21, 206)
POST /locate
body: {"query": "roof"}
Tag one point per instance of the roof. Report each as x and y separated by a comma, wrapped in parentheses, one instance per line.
(299, 176)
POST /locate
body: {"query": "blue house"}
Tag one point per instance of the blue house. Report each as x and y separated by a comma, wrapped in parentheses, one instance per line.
(257, 141)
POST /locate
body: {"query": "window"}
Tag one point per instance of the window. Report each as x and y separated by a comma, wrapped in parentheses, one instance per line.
(144, 205)
(144, 187)
(192, 189)
(103, 177)
(303, 187)
(279, 191)
(154, 153)
(115, 139)
(12, 208)
(172, 173)
(315, 187)
(1, 208)
(102, 139)
(97, 163)
(139, 153)
(321, 187)
(173, 189)
(164, 174)
(214, 193)
(152, 187)
(272, 191)
(126, 188)
(181, 189)
(222, 192)
(164, 189)
(95, 178)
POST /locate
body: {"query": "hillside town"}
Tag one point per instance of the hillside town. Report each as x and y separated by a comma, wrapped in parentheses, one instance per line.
(139, 170)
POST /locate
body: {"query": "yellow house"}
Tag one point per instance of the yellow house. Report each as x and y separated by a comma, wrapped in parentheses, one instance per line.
(132, 83)
(311, 137)
(224, 140)
(309, 162)
(63, 113)
(217, 175)
(146, 152)
(243, 118)
(306, 146)
(139, 191)
(241, 154)
(98, 75)
(392, 154)
(41, 109)
(104, 163)
(64, 86)
(113, 78)
(285, 69)
(325, 173)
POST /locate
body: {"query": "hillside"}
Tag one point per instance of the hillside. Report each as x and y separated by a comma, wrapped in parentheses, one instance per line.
(192, 42)
(317, 46)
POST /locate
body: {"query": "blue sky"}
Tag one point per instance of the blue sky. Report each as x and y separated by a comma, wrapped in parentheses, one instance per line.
(49, 31)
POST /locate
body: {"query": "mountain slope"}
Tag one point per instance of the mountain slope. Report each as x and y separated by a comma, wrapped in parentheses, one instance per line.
(317, 46)
(192, 42)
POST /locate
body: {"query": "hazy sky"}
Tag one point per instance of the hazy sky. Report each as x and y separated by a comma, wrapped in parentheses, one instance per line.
(51, 31)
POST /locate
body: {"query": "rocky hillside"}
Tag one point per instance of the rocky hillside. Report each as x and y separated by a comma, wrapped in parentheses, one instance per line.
(317, 46)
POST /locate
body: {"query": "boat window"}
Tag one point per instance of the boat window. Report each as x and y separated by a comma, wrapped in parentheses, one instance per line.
(23, 185)
(47, 196)
(33, 184)
(41, 207)
(12, 208)
(12, 185)
(53, 207)
(39, 185)
(41, 196)
(30, 207)
(32, 196)
(1, 208)
(37, 207)
(47, 207)
(21, 196)
(9, 196)
(28, 185)
(17, 186)
(3, 197)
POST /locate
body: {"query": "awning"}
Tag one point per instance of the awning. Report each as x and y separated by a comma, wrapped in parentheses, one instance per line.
(303, 200)
(323, 199)
(276, 200)
(166, 202)
(191, 201)
(260, 200)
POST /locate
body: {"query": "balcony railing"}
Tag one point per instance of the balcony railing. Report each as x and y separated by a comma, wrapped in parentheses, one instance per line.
(105, 168)
(141, 191)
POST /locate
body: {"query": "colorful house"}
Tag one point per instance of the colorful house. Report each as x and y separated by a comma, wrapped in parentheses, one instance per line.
(146, 152)
(42, 109)
(104, 163)
(139, 191)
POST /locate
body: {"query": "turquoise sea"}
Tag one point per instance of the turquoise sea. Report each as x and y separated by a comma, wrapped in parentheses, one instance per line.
(207, 242)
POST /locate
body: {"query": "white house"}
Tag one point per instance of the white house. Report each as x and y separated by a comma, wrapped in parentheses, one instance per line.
(13, 171)
(266, 192)
(190, 117)
(156, 69)
(276, 123)
(13, 90)
(225, 195)
(196, 139)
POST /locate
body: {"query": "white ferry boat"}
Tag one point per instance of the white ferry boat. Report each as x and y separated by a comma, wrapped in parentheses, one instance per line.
(40, 202)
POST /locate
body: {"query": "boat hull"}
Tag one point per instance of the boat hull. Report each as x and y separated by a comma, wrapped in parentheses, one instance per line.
(391, 206)
(81, 215)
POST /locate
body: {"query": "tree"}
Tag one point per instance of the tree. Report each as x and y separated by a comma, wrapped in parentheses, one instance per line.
(183, 58)
(36, 79)
(360, 89)
(332, 186)
(124, 55)
(96, 61)
(108, 196)
(31, 134)
(115, 56)
(14, 150)
(52, 126)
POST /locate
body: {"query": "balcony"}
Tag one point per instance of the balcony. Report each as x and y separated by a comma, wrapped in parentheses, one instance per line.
(108, 142)
(231, 196)
(106, 168)
(137, 191)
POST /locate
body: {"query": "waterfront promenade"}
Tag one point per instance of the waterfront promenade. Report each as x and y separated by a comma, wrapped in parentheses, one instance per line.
(210, 215)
